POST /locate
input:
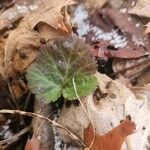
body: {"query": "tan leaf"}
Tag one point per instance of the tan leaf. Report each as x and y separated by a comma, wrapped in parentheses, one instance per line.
(2, 49)
(22, 45)
(95, 3)
(147, 30)
(20, 50)
(107, 111)
(51, 15)
(123, 66)
(142, 8)
(112, 140)
(32, 144)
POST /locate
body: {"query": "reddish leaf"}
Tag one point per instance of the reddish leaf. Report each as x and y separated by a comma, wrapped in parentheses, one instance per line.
(110, 19)
(32, 144)
(101, 50)
(113, 140)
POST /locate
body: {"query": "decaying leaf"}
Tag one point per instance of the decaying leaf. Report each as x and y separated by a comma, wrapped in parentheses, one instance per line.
(141, 8)
(2, 49)
(108, 19)
(23, 43)
(95, 3)
(112, 140)
(107, 111)
(56, 19)
(147, 30)
(106, 27)
(116, 3)
(124, 66)
(16, 11)
(103, 49)
(52, 73)
(32, 144)
(20, 50)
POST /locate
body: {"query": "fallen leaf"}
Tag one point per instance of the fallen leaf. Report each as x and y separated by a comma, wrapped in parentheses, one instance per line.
(20, 50)
(32, 144)
(112, 140)
(116, 3)
(23, 43)
(107, 112)
(141, 8)
(106, 50)
(147, 30)
(109, 19)
(130, 67)
(55, 20)
(16, 11)
(2, 49)
(95, 3)
(106, 26)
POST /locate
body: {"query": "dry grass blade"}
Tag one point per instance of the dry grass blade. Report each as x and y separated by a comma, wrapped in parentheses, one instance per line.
(30, 114)
(94, 132)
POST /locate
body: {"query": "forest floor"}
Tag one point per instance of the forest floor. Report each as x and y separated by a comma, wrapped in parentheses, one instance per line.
(75, 74)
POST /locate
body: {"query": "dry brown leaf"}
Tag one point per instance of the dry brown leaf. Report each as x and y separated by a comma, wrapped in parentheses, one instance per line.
(17, 11)
(106, 112)
(147, 30)
(32, 144)
(23, 44)
(95, 3)
(142, 8)
(2, 49)
(102, 50)
(110, 19)
(130, 67)
(116, 3)
(112, 140)
(20, 50)
(51, 15)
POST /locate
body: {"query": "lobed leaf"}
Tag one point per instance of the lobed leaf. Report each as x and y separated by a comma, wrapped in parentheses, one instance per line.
(50, 76)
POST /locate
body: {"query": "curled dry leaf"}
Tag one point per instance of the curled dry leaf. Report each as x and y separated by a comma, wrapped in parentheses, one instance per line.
(23, 43)
(32, 144)
(52, 15)
(112, 140)
(134, 70)
(141, 8)
(20, 50)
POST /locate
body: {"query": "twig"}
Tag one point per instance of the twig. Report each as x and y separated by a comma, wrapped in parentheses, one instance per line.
(30, 114)
(75, 89)
(15, 137)
(37, 131)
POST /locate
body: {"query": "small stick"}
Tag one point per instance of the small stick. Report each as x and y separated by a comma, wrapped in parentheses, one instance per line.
(93, 138)
(30, 114)
(15, 137)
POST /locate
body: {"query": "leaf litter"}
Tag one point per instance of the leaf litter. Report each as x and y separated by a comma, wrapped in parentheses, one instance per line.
(115, 37)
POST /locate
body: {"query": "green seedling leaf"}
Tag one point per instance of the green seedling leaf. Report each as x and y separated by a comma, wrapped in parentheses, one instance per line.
(50, 76)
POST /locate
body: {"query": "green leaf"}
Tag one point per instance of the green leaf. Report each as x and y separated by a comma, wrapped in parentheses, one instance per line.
(50, 76)
(84, 85)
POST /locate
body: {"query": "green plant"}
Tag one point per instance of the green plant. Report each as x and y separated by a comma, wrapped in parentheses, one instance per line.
(50, 76)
